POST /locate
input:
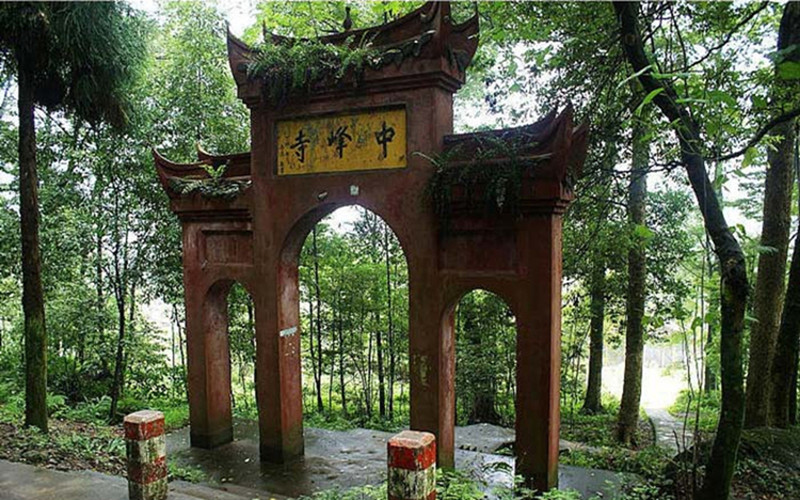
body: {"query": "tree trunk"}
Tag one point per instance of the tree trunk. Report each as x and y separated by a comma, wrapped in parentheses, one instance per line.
(318, 381)
(333, 360)
(597, 306)
(784, 365)
(120, 290)
(390, 330)
(634, 305)
(784, 370)
(368, 388)
(772, 264)
(381, 377)
(785, 158)
(710, 376)
(733, 272)
(342, 388)
(117, 382)
(180, 345)
(32, 294)
(793, 396)
(311, 349)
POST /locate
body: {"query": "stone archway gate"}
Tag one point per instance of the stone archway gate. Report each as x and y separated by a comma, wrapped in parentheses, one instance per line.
(352, 142)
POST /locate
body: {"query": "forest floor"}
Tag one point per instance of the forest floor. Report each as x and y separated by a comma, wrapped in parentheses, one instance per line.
(69, 446)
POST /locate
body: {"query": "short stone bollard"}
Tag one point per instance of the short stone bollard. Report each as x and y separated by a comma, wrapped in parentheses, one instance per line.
(147, 455)
(412, 466)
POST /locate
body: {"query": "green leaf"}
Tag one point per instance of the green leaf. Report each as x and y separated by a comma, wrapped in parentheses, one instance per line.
(766, 249)
(721, 96)
(789, 70)
(635, 75)
(643, 232)
(649, 97)
(749, 156)
(666, 76)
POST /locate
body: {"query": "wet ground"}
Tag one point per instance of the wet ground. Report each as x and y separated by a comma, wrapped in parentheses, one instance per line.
(28, 482)
(346, 459)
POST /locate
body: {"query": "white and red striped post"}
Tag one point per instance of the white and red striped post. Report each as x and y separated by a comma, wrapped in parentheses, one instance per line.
(412, 466)
(147, 455)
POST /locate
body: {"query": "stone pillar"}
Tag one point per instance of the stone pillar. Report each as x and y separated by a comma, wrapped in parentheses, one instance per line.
(147, 455)
(538, 316)
(412, 466)
(209, 367)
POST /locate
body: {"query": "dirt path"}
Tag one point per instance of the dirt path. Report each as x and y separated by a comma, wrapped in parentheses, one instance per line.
(669, 430)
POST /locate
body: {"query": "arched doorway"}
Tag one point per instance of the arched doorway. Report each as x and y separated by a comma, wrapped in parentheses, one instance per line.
(353, 299)
(224, 333)
(242, 347)
(486, 360)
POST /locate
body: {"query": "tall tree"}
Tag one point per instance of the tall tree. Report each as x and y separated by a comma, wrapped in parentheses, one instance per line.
(318, 296)
(768, 296)
(635, 301)
(389, 317)
(784, 365)
(79, 57)
(597, 297)
(734, 282)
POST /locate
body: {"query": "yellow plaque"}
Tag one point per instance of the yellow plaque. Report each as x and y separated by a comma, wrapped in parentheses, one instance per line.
(371, 140)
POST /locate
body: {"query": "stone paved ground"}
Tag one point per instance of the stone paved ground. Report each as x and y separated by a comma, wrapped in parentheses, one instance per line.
(346, 459)
(333, 459)
(28, 482)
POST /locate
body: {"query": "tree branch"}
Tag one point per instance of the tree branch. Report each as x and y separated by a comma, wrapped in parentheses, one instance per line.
(760, 134)
(730, 34)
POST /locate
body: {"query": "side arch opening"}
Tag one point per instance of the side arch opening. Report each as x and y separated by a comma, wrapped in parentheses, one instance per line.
(229, 347)
(483, 330)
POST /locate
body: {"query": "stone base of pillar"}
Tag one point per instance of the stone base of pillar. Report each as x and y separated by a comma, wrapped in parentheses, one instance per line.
(412, 466)
(210, 441)
(146, 451)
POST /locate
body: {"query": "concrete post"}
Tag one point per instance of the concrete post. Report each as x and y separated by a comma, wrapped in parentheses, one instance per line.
(412, 466)
(147, 455)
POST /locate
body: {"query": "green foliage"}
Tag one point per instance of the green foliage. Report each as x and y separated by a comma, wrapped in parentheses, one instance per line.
(369, 492)
(561, 495)
(186, 473)
(80, 445)
(455, 485)
(226, 189)
(706, 407)
(495, 185)
(648, 462)
(86, 55)
(486, 346)
(297, 66)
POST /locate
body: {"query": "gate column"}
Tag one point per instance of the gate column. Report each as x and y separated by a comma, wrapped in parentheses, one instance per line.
(432, 365)
(539, 352)
(279, 394)
(209, 375)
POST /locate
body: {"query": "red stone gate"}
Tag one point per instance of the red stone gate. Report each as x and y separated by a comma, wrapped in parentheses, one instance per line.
(297, 172)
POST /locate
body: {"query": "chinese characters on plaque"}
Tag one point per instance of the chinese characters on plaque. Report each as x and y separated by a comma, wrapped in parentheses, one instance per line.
(370, 140)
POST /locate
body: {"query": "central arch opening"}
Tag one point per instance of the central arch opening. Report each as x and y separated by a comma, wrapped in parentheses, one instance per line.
(353, 298)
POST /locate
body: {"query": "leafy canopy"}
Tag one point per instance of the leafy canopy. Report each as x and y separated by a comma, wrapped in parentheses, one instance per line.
(82, 56)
